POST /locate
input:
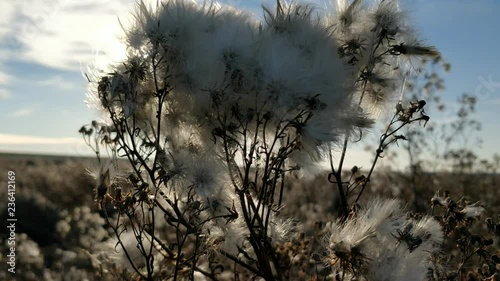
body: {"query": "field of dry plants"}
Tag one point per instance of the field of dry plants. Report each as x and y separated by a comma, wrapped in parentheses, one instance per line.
(220, 154)
(62, 233)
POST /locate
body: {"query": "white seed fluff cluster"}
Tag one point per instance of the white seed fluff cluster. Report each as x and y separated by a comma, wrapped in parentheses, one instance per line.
(383, 243)
(217, 56)
(313, 68)
(206, 85)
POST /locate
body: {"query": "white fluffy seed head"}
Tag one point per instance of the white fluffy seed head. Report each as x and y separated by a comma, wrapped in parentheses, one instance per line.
(392, 246)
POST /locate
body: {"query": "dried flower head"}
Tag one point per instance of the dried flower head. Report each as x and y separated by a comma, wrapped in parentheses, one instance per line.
(380, 242)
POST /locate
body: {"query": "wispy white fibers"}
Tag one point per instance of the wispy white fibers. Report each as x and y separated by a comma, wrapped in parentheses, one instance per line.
(297, 55)
(382, 243)
(367, 32)
(285, 65)
(290, 84)
(297, 59)
(377, 217)
(473, 210)
(430, 231)
(222, 47)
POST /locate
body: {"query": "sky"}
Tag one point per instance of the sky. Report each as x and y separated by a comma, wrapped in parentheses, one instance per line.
(46, 45)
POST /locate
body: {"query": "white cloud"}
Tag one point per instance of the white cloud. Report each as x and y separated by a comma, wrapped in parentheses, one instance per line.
(62, 33)
(57, 82)
(7, 12)
(44, 145)
(4, 94)
(5, 78)
(23, 112)
(23, 139)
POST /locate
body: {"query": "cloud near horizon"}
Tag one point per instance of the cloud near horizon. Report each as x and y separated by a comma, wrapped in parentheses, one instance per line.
(25, 139)
(43, 145)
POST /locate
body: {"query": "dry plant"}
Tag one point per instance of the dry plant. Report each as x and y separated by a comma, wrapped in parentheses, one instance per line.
(215, 111)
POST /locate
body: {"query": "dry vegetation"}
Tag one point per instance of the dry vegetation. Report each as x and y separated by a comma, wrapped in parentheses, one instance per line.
(59, 226)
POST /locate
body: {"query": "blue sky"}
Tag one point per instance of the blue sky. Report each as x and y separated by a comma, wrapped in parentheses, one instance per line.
(46, 44)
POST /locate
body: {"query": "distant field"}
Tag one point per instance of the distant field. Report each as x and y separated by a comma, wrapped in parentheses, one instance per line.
(58, 220)
(26, 156)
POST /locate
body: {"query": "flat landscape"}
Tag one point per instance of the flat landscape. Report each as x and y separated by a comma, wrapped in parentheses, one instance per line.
(60, 232)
